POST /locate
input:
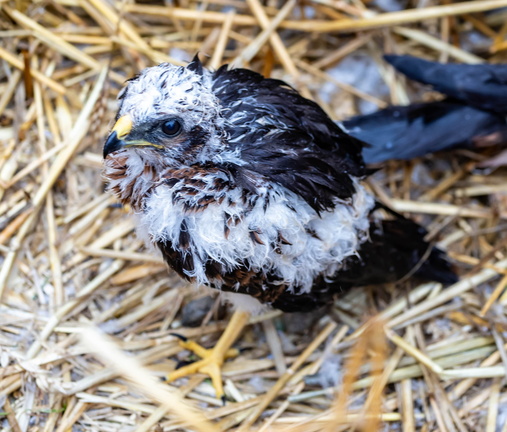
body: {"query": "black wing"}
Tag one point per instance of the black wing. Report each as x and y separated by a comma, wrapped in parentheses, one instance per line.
(406, 132)
(287, 138)
(483, 85)
(396, 249)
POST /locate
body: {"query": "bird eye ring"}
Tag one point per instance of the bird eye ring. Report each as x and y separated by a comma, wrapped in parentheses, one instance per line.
(172, 127)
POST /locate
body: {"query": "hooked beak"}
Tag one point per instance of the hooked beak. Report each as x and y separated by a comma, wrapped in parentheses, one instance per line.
(115, 141)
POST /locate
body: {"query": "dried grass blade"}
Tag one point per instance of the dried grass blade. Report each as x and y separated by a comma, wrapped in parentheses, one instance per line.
(253, 48)
(273, 392)
(78, 132)
(43, 79)
(130, 368)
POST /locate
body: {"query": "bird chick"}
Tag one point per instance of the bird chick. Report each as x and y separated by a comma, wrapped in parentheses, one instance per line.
(247, 187)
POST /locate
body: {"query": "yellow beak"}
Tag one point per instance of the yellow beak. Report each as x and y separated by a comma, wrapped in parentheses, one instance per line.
(121, 129)
(123, 126)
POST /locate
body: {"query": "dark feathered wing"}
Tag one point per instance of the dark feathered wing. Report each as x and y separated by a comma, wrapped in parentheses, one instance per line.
(482, 85)
(396, 249)
(287, 138)
(406, 132)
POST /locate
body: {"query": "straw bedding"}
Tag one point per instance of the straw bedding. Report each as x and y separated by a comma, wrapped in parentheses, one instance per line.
(86, 312)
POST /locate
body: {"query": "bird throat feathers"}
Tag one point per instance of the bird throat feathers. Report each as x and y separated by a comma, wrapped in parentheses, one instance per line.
(131, 178)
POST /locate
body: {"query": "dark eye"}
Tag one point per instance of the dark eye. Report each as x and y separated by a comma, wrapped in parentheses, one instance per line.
(172, 127)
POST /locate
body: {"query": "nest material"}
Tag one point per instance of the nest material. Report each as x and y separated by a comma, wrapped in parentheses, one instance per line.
(416, 357)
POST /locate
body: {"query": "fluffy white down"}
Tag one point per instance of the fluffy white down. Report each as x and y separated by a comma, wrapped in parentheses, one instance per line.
(338, 233)
(167, 89)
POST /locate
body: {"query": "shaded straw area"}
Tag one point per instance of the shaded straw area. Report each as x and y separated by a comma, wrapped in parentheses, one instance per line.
(87, 313)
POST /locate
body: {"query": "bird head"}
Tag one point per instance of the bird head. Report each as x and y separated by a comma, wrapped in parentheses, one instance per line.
(168, 115)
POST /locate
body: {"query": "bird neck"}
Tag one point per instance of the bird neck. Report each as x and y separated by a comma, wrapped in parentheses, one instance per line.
(130, 178)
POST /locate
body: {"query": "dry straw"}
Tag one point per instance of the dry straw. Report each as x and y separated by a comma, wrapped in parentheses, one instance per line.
(419, 357)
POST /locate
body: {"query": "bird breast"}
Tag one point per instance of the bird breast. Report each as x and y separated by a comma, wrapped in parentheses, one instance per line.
(205, 217)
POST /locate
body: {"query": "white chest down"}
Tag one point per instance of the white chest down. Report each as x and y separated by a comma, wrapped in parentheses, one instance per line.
(275, 232)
